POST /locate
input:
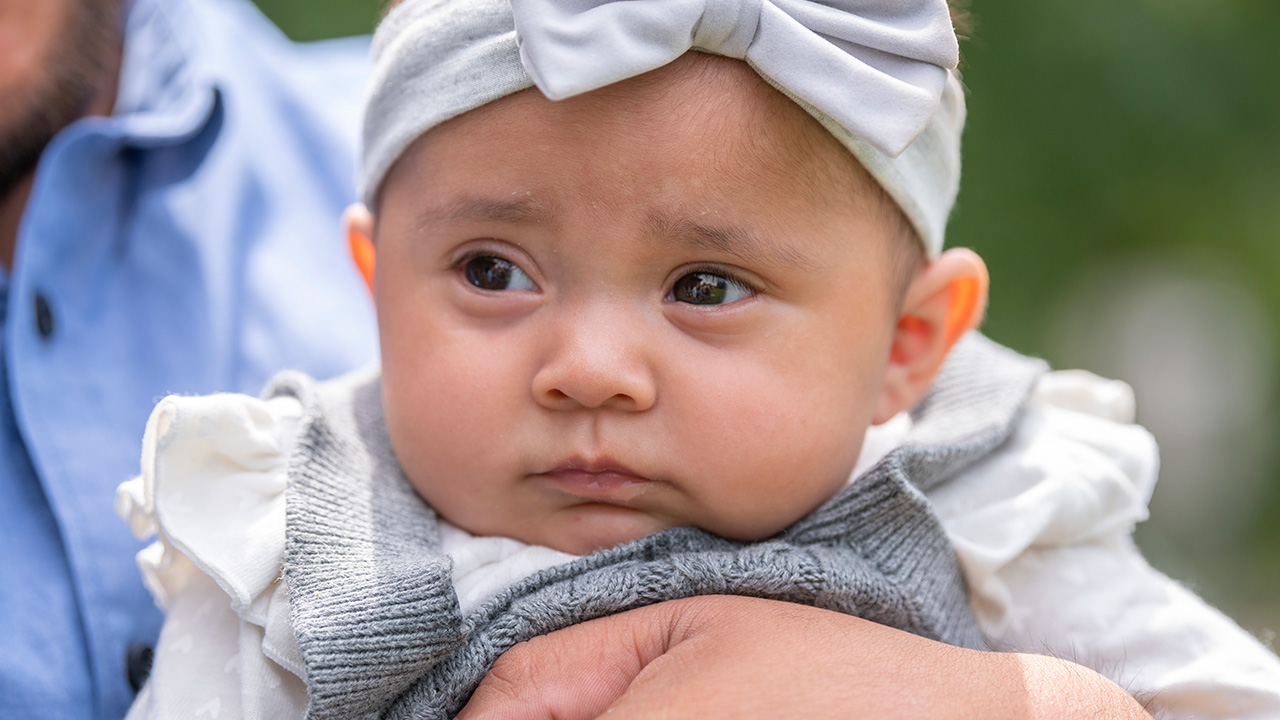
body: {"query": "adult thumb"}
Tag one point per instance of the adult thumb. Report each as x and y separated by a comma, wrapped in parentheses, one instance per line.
(575, 673)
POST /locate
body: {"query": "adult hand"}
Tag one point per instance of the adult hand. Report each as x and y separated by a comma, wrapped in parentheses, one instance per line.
(733, 657)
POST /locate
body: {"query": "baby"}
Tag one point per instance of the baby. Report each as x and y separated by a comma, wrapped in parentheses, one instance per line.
(664, 311)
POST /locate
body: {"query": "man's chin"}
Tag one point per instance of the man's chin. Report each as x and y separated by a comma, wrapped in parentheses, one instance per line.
(75, 74)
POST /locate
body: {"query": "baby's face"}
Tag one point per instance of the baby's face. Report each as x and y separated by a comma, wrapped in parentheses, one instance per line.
(665, 303)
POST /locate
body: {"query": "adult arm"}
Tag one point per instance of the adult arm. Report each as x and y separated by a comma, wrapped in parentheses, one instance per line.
(732, 657)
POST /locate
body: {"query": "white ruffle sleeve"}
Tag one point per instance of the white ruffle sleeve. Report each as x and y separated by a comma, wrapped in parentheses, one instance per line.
(212, 490)
(1042, 532)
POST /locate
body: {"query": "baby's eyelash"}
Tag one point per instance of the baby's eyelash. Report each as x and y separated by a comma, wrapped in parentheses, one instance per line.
(461, 261)
(725, 273)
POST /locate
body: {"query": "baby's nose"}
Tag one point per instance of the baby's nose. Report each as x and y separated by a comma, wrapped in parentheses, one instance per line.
(596, 359)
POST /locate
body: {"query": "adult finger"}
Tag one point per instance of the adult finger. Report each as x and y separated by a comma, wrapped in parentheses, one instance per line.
(575, 673)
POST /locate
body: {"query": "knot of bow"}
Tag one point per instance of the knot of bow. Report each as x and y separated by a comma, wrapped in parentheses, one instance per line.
(877, 67)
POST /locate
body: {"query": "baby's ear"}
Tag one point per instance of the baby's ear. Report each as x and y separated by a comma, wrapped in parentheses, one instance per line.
(945, 300)
(359, 224)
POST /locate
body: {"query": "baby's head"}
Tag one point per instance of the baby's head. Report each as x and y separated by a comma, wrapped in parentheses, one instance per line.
(677, 299)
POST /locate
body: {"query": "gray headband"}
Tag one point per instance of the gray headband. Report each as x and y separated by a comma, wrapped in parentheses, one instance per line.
(878, 74)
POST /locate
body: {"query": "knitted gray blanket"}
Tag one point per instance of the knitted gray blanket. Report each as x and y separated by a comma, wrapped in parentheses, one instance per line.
(377, 620)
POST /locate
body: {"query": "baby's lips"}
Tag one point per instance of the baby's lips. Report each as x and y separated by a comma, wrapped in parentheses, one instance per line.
(602, 480)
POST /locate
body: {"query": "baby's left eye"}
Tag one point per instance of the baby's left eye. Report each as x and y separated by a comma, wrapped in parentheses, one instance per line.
(703, 287)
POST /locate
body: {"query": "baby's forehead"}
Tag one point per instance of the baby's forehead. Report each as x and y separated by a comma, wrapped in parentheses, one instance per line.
(784, 138)
(715, 112)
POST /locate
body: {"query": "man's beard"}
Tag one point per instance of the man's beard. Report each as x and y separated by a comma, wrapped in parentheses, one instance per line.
(75, 68)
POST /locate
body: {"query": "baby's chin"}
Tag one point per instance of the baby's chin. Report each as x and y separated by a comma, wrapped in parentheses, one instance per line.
(588, 527)
(585, 528)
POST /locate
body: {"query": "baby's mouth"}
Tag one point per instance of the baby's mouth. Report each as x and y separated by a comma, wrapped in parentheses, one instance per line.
(602, 481)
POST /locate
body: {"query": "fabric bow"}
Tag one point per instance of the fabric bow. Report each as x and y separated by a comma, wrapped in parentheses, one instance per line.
(877, 67)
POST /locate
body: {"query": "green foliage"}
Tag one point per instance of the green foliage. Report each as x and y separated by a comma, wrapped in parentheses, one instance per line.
(1099, 128)
(319, 19)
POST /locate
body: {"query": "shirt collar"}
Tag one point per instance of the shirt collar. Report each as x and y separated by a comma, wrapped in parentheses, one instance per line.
(167, 91)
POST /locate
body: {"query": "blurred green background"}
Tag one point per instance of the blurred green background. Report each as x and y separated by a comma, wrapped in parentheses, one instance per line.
(1122, 180)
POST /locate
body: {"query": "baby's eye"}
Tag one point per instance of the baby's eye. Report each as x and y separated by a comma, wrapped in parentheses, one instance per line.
(493, 273)
(708, 288)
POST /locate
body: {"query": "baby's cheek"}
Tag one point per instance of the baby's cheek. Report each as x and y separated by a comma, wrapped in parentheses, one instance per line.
(786, 455)
(761, 509)
(445, 415)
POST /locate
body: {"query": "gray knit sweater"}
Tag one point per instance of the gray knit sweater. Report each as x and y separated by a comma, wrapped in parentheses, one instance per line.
(377, 620)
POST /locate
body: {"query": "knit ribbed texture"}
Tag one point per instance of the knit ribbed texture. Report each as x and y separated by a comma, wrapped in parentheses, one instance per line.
(370, 592)
(378, 623)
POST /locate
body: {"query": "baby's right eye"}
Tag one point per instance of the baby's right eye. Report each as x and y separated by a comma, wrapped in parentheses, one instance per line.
(488, 272)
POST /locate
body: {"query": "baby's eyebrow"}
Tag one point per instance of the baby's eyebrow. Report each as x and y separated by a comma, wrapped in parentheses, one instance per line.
(748, 246)
(515, 211)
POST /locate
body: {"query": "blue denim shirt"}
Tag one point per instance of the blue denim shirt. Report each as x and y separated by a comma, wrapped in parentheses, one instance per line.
(190, 243)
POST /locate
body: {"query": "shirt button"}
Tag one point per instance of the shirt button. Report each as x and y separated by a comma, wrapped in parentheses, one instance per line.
(137, 664)
(44, 317)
